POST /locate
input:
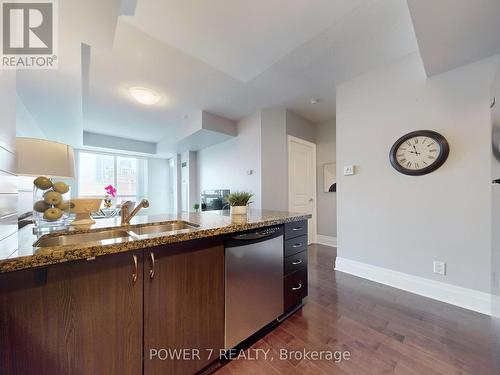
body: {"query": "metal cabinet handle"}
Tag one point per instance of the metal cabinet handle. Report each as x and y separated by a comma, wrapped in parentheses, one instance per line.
(297, 245)
(134, 274)
(298, 287)
(152, 270)
(297, 262)
(296, 229)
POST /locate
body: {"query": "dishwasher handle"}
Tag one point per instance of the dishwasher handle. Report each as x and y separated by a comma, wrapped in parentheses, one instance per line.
(256, 236)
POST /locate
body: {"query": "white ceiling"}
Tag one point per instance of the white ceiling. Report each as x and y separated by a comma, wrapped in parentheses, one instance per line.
(281, 53)
(452, 33)
(185, 83)
(233, 58)
(53, 98)
(239, 38)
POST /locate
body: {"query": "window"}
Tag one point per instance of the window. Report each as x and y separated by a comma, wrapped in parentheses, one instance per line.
(98, 170)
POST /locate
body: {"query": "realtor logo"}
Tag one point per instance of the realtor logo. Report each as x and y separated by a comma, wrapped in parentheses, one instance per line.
(28, 34)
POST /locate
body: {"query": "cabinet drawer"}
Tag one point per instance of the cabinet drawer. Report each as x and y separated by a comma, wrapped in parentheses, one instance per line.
(295, 288)
(295, 262)
(295, 229)
(295, 245)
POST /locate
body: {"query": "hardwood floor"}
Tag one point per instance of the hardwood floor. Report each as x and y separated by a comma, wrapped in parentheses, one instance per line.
(385, 330)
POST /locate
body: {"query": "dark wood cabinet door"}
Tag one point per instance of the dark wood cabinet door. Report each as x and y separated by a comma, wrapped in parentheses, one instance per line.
(183, 307)
(78, 318)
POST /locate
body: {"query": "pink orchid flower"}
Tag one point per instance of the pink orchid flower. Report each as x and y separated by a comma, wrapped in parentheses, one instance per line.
(110, 190)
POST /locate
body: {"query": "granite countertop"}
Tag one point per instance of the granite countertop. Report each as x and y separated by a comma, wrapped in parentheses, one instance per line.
(212, 223)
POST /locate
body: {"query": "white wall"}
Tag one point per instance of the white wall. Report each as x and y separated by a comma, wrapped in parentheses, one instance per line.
(26, 125)
(189, 181)
(8, 182)
(300, 127)
(274, 160)
(404, 223)
(326, 202)
(8, 109)
(225, 165)
(158, 185)
(118, 143)
(260, 146)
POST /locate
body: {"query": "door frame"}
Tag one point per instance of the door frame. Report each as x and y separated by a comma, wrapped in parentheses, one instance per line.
(314, 220)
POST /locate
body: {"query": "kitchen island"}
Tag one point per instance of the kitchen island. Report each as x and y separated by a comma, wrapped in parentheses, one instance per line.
(111, 305)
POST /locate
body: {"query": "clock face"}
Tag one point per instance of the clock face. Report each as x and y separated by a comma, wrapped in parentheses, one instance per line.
(419, 152)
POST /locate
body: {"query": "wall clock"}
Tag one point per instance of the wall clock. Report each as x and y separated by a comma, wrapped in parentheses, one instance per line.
(419, 152)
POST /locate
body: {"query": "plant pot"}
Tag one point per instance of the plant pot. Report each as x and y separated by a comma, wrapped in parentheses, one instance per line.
(239, 210)
(239, 219)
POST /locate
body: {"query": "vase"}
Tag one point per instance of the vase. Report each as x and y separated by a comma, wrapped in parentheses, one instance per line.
(51, 205)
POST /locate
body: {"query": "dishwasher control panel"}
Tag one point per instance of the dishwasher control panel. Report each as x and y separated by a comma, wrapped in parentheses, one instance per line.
(259, 234)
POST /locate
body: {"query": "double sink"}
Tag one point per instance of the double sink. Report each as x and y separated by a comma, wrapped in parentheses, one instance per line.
(127, 233)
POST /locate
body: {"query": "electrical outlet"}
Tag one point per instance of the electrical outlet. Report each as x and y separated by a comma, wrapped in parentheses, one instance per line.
(348, 170)
(439, 267)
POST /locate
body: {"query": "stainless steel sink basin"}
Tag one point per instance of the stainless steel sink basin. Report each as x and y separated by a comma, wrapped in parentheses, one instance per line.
(128, 233)
(163, 228)
(80, 238)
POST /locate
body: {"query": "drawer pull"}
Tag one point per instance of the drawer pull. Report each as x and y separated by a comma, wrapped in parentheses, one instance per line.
(134, 274)
(295, 262)
(297, 287)
(296, 229)
(297, 245)
(152, 270)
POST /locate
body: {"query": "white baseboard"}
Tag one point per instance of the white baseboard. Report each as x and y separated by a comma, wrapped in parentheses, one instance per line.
(326, 240)
(467, 298)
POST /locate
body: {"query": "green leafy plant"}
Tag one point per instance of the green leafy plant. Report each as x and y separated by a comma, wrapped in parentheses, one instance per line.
(196, 206)
(239, 198)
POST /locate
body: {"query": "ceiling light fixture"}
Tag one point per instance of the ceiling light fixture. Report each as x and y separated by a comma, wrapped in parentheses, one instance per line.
(144, 95)
(314, 100)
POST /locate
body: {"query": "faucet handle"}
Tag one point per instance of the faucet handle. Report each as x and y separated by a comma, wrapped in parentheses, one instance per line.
(126, 206)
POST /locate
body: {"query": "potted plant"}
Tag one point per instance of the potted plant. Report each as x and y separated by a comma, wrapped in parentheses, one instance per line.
(196, 207)
(239, 202)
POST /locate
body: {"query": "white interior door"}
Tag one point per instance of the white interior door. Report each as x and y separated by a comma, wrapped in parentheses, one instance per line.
(302, 180)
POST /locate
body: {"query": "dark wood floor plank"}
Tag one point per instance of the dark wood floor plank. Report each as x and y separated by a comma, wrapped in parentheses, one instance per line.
(386, 331)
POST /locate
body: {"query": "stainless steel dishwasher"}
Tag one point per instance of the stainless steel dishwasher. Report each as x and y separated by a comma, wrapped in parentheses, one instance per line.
(254, 282)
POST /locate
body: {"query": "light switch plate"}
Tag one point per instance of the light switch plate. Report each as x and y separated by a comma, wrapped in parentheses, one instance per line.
(348, 170)
(440, 267)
